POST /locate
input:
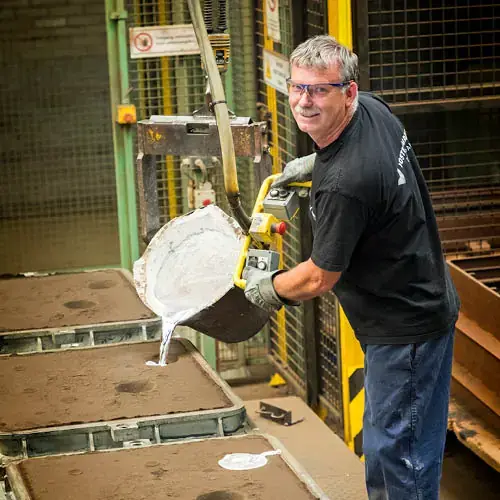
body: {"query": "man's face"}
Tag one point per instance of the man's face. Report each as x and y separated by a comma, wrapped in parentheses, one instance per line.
(321, 116)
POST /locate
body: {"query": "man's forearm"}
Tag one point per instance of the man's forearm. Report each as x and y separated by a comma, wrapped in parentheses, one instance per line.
(304, 282)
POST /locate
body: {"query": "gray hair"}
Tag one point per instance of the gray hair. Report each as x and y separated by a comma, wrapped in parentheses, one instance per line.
(323, 51)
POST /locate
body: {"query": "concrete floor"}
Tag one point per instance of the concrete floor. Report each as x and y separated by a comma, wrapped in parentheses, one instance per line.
(465, 476)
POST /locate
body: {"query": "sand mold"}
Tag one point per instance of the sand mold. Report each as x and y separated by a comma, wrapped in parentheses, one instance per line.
(86, 298)
(101, 384)
(186, 471)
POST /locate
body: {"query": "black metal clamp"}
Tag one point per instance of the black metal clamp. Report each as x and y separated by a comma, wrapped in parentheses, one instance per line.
(277, 414)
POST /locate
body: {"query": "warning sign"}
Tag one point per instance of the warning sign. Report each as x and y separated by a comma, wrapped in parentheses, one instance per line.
(276, 70)
(273, 20)
(158, 41)
(143, 42)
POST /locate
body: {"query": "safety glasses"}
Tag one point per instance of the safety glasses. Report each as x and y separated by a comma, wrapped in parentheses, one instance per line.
(312, 89)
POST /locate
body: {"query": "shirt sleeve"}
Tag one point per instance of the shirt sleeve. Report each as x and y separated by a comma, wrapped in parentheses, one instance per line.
(340, 222)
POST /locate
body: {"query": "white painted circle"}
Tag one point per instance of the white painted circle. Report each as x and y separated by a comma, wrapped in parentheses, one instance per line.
(242, 461)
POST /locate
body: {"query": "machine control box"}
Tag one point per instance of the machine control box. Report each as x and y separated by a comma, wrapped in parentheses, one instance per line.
(282, 203)
(265, 260)
(204, 195)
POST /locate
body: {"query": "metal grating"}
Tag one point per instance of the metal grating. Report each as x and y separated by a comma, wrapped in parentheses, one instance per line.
(330, 380)
(286, 328)
(461, 164)
(58, 195)
(316, 18)
(423, 50)
(291, 330)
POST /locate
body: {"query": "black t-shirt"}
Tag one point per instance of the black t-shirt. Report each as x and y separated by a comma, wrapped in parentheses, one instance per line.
(373, 220)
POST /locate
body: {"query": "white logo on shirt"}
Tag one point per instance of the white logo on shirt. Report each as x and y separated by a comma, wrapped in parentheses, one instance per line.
(403, 155)
(312, 212)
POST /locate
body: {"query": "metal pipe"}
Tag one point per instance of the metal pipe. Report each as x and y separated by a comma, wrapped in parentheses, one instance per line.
(17, 482)
(121, 184)
(222, 117)
(126, 132)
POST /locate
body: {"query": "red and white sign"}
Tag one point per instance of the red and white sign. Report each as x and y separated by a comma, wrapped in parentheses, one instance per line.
(143, 42)
(159, 41)
(273, 20)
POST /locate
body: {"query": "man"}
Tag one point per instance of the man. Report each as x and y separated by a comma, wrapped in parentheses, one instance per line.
(376, 244)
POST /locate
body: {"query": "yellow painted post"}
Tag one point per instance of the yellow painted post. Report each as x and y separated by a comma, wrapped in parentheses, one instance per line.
(275, 154)
(167, 110)
(351, 355)
(340, 21)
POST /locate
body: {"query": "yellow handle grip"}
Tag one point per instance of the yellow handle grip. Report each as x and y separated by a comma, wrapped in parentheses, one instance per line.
(306, 184)
(238, 280)
(258, 208)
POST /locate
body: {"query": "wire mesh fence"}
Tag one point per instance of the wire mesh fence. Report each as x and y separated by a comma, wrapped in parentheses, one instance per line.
(426, 50)
(461, 165)
(58, 196)
(431, 54)
(166, 86)
(287, 327)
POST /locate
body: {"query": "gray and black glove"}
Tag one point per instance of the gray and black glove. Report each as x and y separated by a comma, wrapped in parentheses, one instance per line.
(260, 290)
(298, 170)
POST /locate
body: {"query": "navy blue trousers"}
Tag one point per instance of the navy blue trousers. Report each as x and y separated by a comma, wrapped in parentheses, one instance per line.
(407, 389)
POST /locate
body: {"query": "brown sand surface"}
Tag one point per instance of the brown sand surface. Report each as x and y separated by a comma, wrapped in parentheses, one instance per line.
(186, 471)
(101, 384)
(85, 298)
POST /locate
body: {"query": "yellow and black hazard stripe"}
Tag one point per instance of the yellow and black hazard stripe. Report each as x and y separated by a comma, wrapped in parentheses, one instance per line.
(356, 409)
(353, 391)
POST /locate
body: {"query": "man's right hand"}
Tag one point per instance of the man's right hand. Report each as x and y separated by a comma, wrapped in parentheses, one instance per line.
(298, 170)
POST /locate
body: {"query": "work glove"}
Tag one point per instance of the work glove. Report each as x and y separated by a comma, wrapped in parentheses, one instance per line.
(298, 170)
(260, 290)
